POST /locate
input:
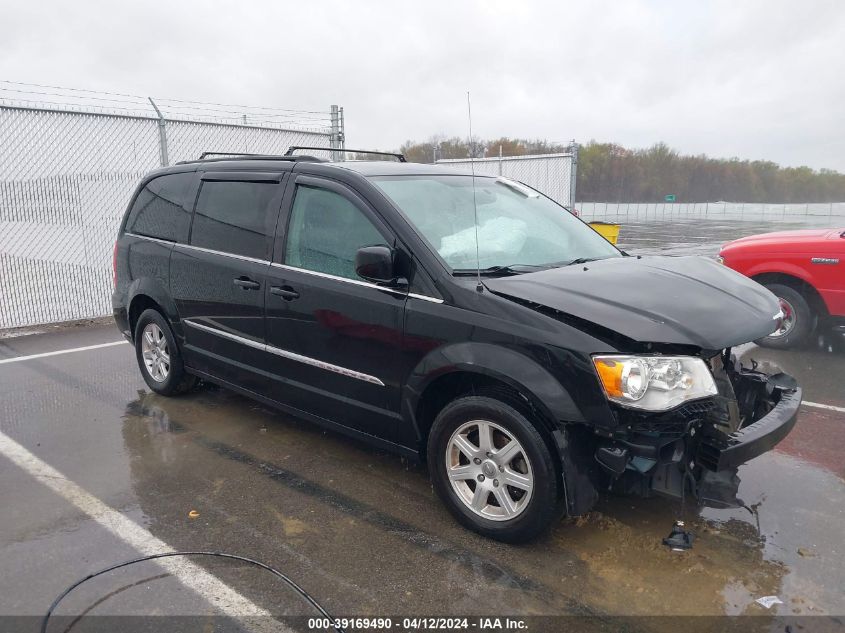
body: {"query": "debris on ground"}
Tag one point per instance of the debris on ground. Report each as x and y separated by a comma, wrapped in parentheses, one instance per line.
(768, 601)
(679, 539)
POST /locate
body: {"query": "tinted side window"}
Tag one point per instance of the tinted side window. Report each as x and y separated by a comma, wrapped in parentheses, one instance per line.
(325, 231)
(161, 209)
(235, 217)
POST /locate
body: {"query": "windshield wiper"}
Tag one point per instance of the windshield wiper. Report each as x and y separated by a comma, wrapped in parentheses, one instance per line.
(510, 269)
(582, 260)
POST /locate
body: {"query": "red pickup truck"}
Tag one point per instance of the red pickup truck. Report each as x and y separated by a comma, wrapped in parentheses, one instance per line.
(804, 269)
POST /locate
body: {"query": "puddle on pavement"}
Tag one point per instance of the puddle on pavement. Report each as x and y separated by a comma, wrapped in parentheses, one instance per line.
(798, 491)
(612, 559)
(685, 235)
(797, 555)
(632, 573)
(818, 366)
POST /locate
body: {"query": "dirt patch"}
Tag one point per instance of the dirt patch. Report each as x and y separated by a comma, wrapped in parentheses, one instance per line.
(291, 526)
(632, 572)
(54, 327)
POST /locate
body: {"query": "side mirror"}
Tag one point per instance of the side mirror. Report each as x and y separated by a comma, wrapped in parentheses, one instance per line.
(375, 263)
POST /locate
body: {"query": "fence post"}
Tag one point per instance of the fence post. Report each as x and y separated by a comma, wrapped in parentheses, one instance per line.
(334, 140)
(573, 172)
(162, 135)
(500, 164)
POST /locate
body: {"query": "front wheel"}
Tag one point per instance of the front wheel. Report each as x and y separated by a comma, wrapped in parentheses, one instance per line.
(798, 319)
(492, 469)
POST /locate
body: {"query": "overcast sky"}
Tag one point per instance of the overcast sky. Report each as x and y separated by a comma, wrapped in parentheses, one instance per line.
(754, 79)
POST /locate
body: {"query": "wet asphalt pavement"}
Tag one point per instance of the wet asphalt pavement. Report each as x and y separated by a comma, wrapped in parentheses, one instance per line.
(361, 529)
(685, 235)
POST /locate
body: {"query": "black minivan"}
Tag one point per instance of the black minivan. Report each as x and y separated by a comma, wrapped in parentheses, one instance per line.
(466, 320)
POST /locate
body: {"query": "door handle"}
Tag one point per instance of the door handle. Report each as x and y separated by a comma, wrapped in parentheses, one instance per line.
(285, 292)
(246, 283)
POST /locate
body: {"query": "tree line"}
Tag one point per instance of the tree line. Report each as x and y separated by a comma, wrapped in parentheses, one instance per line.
(608, 172)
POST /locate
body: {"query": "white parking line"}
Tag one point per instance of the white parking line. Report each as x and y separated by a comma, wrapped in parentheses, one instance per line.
(216, 592)
(18, 359)
(830, 407)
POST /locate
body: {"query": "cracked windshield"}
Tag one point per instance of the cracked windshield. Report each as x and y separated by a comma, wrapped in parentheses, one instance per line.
(493, 223)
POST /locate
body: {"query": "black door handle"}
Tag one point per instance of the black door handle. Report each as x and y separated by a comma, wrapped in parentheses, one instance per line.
(246, 283)
(285, 292)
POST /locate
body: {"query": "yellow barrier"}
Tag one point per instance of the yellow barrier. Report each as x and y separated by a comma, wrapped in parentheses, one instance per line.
(608, 231)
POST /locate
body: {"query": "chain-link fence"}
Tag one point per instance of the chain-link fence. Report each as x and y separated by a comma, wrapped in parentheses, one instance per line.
(552, 174)
(66, 177)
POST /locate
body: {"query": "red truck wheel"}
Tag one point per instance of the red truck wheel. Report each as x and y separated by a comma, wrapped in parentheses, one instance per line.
(797, 323)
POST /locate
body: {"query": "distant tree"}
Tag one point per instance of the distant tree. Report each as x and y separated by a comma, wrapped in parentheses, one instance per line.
(368, 156)
(608, 172)
(442, 147)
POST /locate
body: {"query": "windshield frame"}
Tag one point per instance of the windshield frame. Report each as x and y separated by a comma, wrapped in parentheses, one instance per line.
(460, 272)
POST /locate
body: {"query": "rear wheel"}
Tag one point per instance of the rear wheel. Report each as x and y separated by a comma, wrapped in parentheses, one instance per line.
(158, 355)
(798, 319)
(492, 469)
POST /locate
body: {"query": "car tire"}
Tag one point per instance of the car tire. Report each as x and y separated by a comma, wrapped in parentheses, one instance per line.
(159, 357)
(525, 494)
(798, 323)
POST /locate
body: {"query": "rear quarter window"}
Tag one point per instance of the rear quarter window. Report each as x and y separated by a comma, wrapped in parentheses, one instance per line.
(162, 208)
(235, 217)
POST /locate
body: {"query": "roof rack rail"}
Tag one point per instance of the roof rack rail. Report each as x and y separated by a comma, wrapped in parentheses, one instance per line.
(397, 156)
(222, 156)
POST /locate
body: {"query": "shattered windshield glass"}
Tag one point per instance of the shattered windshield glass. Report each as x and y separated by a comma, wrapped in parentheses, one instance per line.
(517, 227)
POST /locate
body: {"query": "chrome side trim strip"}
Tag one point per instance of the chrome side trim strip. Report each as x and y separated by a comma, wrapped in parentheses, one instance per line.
(234, 337)
(244, 258)
(356, 282)
(191, 247)
(315, 273)
(307, 360)
(414, 295)
(343, 371)
(366, 284)
(150, 239)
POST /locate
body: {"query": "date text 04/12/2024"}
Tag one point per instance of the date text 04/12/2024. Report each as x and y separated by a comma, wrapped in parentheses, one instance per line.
(418, 624)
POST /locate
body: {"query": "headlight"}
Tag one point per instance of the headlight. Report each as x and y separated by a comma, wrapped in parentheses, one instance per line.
(720, 259)
(654, 383)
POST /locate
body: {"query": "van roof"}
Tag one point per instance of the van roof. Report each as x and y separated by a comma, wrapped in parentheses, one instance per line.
(364, 167)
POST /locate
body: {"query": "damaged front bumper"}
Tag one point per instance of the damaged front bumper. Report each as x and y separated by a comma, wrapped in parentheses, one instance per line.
(718, 452)
(697, 447)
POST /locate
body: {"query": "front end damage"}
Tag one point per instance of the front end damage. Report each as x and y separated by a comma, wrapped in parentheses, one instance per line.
(696, 448)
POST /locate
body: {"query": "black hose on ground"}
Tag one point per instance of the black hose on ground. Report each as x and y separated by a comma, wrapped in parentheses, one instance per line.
(304, 594)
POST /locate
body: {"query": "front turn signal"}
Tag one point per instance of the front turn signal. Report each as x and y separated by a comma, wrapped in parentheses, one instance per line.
(610, 374)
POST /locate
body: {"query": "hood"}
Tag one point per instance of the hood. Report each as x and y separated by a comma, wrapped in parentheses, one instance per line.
(781, 237)
(675, 300)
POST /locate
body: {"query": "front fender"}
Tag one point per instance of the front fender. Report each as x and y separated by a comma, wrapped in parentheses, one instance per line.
(519, 371)
(783, 268)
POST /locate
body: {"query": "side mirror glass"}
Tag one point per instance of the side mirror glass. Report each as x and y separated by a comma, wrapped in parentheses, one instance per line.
(375, 263)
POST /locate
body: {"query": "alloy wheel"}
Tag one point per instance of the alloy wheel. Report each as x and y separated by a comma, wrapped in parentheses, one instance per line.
(155, 352)
(489, 470)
